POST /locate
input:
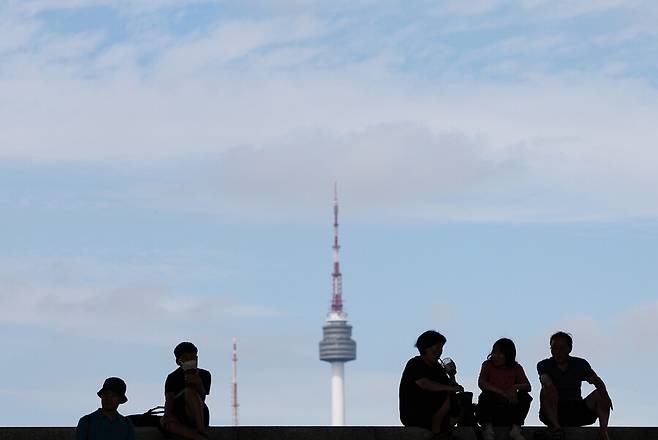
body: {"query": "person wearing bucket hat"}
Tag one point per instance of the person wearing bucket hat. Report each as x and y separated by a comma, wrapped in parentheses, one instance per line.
(117, 386)
(106, 423)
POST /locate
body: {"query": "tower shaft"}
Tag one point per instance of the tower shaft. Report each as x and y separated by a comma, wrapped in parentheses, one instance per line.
(337, 393)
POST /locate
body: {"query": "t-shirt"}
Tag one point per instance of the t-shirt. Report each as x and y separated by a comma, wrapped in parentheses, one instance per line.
(567, 382)
(175, 382)
(502, 377)
(96, 426)
(413, 399)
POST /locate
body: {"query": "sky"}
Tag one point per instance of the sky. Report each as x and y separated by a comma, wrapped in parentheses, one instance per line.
(167, 171)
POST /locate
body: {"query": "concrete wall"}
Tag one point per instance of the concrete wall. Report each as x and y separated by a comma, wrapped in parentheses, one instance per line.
(329, 433)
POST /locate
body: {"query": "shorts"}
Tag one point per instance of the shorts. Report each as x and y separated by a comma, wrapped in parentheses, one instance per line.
(572, 413)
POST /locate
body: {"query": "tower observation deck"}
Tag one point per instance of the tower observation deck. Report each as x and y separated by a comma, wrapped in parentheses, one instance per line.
(337, 345)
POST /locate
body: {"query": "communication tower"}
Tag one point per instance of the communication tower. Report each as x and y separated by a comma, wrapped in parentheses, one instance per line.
(337, 345)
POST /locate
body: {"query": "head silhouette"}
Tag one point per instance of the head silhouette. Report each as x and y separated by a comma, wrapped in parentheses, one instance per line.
(561, 346)
(429, 339)
(185, 351)
(503, 352)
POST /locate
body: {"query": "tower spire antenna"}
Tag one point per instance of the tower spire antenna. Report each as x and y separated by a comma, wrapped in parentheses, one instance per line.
(234, 384)
(337, 345)
(336, 276)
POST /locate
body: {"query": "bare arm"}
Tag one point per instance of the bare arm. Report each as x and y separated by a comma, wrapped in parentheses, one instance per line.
(430, 385)
(600, 385)
(546, 381)
(193, 380)
(487, 386)
(169, 404)
(522, 383)
(525, 387)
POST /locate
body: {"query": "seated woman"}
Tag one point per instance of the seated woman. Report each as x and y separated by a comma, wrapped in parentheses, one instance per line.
(427, 391)
(504, 400)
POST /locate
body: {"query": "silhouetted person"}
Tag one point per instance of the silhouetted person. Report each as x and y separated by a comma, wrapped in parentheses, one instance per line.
(561, 399)
(106, 423)
(427, 391)
(186, 413)
(504, 400)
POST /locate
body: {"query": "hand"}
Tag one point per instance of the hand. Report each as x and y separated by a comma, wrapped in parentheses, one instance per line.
(512, 396)
(192, 378)
(459, 388)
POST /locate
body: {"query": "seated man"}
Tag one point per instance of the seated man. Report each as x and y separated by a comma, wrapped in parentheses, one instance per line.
(561, 401)
(106, 423)
(186, 388)
(427, 391)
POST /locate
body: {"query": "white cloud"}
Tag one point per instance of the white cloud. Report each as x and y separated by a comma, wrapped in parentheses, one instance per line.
(34, 7)
(565, 9)
(547, 149)
(474, 7)
(233, 40)
(57, 296)
(382, 167)
(571, 146)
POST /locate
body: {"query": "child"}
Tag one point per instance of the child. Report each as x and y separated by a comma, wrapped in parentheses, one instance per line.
(504, 400)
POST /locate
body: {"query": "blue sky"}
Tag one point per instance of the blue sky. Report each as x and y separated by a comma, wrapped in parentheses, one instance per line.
(167, 171)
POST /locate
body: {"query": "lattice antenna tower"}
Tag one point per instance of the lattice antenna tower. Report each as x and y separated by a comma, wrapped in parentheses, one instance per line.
(336, 276)
(234, 385)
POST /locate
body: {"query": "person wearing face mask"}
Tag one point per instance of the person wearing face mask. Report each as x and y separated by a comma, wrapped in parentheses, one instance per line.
(106, 423)
(186, 413)
(427, 389)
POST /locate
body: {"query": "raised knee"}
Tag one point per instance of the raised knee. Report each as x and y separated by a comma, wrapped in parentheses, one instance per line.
(548, 393)
(191, 395)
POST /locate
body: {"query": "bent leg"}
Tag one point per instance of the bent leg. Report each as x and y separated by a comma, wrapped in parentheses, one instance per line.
(596, 404)
(548, 407)
(521, 408)
(485, 407)
(440, 415)
(194, 409)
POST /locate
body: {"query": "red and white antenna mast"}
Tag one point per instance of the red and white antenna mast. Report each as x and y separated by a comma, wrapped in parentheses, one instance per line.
(337, 277)
(234, 385)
